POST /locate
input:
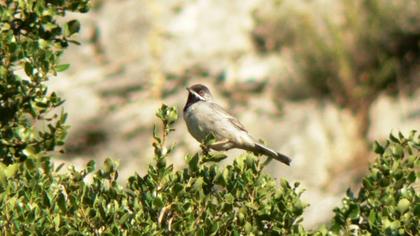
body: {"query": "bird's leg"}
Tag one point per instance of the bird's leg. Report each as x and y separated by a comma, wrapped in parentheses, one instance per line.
(224, 144)
(219, 146)
(206, 144)
(205, 149)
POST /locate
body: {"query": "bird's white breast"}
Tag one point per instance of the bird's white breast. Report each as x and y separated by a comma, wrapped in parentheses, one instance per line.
(194, 122)
(202, 119)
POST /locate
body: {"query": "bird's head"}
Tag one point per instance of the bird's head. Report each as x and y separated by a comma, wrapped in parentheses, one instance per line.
(196, 93)
(200, 92)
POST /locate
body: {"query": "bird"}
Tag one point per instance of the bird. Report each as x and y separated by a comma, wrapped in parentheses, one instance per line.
(204, 117)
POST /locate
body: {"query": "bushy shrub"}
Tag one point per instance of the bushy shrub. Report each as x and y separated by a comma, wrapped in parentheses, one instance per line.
(388, 202)
(31, 41)
(202, 198)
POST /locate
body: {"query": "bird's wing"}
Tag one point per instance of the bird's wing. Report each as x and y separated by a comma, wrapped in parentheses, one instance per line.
(232, 119)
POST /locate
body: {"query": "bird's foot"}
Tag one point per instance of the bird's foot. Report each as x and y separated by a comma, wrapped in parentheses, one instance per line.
(205, 149)
(225, 144)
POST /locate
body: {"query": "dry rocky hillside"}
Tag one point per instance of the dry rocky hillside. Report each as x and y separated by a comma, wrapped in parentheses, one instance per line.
(136, 55)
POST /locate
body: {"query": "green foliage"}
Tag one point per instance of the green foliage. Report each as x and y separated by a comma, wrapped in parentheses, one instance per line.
(31, 41)
(388, 202)
(201, 199)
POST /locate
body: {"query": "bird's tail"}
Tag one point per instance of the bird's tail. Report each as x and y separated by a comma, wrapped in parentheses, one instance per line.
(259, 148)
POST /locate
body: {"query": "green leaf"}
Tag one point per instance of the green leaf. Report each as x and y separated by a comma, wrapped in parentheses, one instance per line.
(248, 228)
(62, 67)
(377, 148)
(124, 218)
(29, 69)
(11, 170)
(29, 151)
(91, 166)
(193, 162)
(61, 201)
(400, 135)
(403, 205)
(110, 165)
(226, 174)
(354, 212)
(372, 218)
(57, 221)
(172, 115)
(215, 157)
(417, 210)
(214, 228)
(412, 177)
(228, 198)
(3, 178)
(397, 151)
(43, 44)
(393, 138)
(71, 27)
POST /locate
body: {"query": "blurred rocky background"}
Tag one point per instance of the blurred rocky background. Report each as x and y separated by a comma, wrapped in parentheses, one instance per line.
(318, 80)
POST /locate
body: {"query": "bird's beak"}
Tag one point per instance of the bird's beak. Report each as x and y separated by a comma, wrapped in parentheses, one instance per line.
(190, 91)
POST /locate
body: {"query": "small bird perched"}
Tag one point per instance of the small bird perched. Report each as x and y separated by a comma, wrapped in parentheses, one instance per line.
(204, 117)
